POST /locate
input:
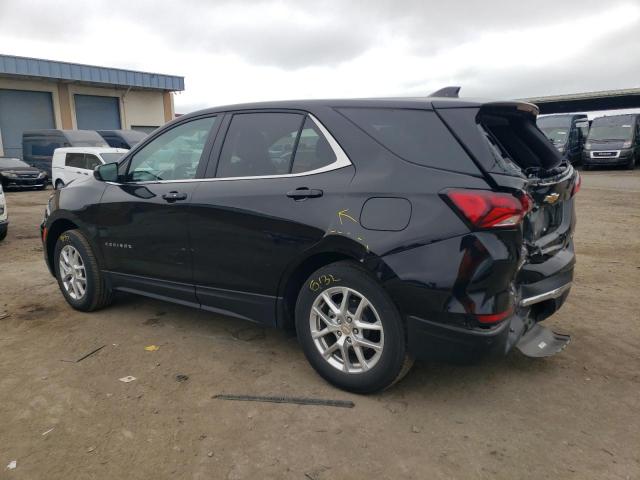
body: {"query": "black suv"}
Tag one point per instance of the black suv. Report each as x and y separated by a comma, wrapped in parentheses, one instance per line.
(381, 230)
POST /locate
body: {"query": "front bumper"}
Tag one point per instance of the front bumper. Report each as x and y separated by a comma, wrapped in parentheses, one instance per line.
(614, 157)
(24, 182)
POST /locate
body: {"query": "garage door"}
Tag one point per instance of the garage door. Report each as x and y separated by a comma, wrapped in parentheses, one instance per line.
(97, 113)
(22, 110)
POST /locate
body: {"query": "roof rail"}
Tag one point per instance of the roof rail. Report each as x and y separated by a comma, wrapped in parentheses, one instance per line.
(451, 92)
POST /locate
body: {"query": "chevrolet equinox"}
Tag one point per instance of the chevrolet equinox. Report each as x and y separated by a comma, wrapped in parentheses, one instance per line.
(380, 230)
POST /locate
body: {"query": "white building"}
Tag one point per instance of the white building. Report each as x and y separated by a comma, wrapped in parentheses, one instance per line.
(42, 94)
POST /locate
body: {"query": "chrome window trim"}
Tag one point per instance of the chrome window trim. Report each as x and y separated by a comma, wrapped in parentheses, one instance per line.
(342, 160)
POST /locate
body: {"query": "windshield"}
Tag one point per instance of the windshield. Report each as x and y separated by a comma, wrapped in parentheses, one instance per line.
(11, 163)
(111, 157)
(610, 132)
(558, 135)
(548, 122)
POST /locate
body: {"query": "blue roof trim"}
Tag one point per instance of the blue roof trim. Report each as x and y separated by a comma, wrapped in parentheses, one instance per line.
(75, 72)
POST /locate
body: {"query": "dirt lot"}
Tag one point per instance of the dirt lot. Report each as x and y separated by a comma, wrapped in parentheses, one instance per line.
(576, 415)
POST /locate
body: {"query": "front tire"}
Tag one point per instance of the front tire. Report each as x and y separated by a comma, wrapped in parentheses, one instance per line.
(350, 330)
(78, 274)
(632, 163)
(59, 184)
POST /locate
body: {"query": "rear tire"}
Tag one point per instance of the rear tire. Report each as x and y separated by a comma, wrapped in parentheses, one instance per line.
(79, 277)
(369, 335)
(3, 231)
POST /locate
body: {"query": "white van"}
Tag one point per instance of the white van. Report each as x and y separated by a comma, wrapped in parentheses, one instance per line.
(4, 215)
(71, 163)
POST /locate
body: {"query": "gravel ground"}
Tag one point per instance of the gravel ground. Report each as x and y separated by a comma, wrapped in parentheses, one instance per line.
(575, 415)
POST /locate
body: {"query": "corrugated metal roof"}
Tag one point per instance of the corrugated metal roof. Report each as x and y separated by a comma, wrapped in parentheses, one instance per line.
(75, 72)
(584, 95)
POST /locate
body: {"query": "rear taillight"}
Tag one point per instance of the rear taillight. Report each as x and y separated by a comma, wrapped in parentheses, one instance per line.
(494, 317)
(576, 185)
(485, 209)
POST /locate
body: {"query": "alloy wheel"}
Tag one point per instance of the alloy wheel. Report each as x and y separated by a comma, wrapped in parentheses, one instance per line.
(72, 272)
(346, 329)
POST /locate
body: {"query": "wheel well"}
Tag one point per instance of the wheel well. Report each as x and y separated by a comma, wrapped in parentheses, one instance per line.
(286, 317)
(58, 227)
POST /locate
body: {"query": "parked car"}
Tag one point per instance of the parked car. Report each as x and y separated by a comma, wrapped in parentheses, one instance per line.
(38, 145)
(567, 132)
(401, 229)
(122, 138)
(72, 163)
(613, 140)
(4, 215)
(14, 173)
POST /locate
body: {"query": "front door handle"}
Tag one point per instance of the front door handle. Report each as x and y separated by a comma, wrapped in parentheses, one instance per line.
(302, 193)
(174, 196)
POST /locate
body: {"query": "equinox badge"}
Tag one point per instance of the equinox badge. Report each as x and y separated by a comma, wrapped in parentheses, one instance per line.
(552, 198)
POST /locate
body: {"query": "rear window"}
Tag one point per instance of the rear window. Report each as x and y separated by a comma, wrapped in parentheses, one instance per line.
(417, 136)
(516, 137)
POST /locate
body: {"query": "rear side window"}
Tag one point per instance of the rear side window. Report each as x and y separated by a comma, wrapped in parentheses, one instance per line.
(313, 150)
(417, 136)
(75, 160)
(259, 144)
(267, 144)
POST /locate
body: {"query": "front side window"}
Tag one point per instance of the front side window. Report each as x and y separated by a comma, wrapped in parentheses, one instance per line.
(111, 157)
(75, 160)
(174, 155)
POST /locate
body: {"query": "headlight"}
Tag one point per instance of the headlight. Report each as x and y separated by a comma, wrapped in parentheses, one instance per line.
(10, 175)
(626, 144)
(42, 175)
(587, 146)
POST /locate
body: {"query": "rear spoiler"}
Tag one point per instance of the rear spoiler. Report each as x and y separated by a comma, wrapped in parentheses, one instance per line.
(448, 92)
(454, 92)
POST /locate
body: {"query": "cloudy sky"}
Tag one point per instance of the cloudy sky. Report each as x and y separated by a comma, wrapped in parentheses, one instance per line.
(245, 50)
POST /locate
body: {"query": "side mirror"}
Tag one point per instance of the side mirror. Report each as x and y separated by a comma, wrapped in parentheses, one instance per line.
(107, 172)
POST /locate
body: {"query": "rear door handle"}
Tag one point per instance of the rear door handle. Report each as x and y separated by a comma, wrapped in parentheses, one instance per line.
(302, 193)
(174, 196)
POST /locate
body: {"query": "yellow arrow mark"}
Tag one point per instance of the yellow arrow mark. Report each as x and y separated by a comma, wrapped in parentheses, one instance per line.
(343, 213)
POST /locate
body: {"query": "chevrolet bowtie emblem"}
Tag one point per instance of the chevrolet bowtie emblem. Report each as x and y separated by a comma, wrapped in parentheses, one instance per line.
(552, 198)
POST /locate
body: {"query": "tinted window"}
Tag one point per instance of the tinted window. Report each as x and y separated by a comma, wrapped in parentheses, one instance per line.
(111, 157)
(313, 150)
(174, 155)
(116, 142)
(414, 135)
(43, 147)
(259, 144)
(75, 160)
(92, 162)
